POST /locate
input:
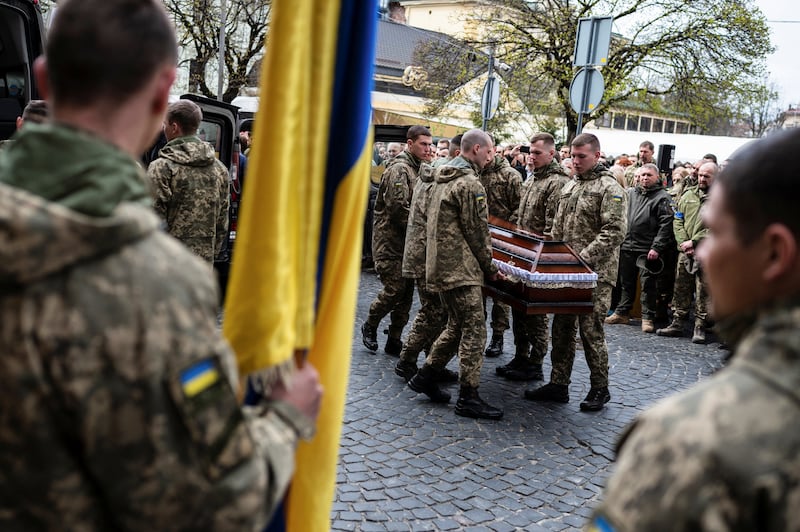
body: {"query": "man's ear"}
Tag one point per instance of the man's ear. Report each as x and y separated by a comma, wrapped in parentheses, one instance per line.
(163, 84)
(42, 79)
(781, 252)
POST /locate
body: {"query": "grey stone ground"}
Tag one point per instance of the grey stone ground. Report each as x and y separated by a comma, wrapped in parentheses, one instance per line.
(408, 464)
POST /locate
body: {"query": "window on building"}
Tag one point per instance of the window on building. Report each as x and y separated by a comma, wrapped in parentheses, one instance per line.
(644, 124)
(658, 125)
(603, 121)
(619, 121)
(682, 127)
(669, 126)
(632, 123)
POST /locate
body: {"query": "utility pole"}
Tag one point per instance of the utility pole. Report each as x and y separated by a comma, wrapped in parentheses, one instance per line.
(489, 80)
(221, 65)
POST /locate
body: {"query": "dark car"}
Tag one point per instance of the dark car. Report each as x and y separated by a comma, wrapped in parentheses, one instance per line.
(21, 42)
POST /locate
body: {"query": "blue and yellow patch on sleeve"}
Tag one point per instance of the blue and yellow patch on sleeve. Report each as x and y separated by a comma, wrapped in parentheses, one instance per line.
(199, 377)
(679, 215)
(599, 524)
(616, 198)
(480, 196)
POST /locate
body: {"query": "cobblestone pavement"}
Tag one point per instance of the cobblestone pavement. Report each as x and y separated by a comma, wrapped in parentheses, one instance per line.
(409, 464)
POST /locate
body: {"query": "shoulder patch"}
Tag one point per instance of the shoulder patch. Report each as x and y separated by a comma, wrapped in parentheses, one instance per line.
(616, 197)
(199, 377)
(679, 215)
(599, 524)
(480, 196)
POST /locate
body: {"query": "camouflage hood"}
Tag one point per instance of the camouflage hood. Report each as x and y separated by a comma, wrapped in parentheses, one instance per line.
(404, 158)
(426, 173)
(40, 238)
(189, 151)
(496, 164)
(455, 168)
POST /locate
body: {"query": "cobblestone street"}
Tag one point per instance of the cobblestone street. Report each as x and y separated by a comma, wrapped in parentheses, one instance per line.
(409, 464)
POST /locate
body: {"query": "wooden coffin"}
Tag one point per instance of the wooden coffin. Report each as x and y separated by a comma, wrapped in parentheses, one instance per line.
(544, 276)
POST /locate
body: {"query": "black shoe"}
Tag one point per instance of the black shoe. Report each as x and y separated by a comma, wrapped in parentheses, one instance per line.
(596, 399)
(406, 370)
(516, 362)
(369, 335)
(495, 348)
(425, 382)
(447, 376)
(529, 372)
(393, 346)
(558, 393)
(470, 404)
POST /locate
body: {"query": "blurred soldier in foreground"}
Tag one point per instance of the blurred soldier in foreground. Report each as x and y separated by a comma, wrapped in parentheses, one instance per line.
(725, 455)
(592, 218)
(190, 184)
(118, 408)
(388, 240)
(458, 257)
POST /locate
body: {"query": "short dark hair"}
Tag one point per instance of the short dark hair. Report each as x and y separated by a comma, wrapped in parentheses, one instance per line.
(647, 144)
(761, 189)
(711, 157)
(36, 111)
(446, 141)
(546, 138)
(414, 132)
(455, 145)
(585, 139)
(186, 114)
(107, 50)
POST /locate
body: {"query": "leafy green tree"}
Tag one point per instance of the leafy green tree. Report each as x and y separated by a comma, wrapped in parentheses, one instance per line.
(682, 52)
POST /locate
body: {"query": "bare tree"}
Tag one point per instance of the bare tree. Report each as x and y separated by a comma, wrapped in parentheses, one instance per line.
(760, 110)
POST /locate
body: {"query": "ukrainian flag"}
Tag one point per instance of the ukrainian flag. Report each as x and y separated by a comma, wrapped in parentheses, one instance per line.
(294, 277)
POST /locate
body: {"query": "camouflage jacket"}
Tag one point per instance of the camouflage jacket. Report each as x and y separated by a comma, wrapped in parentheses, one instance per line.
(687, 223)
(192, 195)
(392, 207)
(649, 220)
(414, 250)
(502, 184)
(459, 250)
(593, 218)
(117, 403)
(540, 196)
(724, 455)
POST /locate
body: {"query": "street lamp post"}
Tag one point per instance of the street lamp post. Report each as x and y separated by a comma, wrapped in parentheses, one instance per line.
(221, 64)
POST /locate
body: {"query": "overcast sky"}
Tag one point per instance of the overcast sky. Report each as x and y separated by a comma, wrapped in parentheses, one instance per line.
(784, 65)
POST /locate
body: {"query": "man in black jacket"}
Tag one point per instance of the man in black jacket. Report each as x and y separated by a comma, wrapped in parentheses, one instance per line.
(649, 237)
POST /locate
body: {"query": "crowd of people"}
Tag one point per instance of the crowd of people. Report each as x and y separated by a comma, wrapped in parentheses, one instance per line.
(637, 228)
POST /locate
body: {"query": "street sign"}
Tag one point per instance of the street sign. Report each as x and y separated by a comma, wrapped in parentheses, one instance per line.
(586, 90)
(592, 41)
(490, 99)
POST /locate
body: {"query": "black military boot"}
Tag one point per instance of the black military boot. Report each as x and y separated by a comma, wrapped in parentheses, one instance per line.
(447, 376)
(596, 399)
(527, 372)
(557, 393)
(369, 335)
(516, 362)
(393, 346)
(470, 404)
(425, 382)
(495, 348)
(405, 370)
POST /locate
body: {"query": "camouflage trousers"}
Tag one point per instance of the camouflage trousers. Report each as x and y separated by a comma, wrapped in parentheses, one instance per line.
(593, 338)
(686, 286)
(530, 333)
(395, 297)
(428, 323)
(465, 332)
(499, 315)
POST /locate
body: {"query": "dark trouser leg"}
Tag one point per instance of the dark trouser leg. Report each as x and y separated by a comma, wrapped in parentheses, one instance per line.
(395, 297)
(628, 274)
(649, 296)
(427, 326)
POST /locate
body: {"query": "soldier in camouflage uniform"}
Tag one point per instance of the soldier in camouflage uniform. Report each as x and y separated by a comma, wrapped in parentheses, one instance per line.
(646, 151)
(117, 393)
(458, 256)
(592, 218)
(431, 317)
(537, 210)
(503, 184)
(190, 185)
(689, 232)
(388, 240)
(725, 455)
